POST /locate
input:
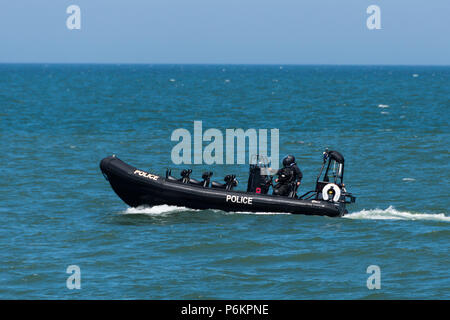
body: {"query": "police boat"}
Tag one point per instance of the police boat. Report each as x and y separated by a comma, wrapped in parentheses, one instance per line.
(141, 188)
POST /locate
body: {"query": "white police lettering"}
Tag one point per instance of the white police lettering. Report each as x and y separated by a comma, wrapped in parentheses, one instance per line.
(239, 199)
(146, 174)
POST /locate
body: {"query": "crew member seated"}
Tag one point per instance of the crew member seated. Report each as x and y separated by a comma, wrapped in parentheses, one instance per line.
(289, 178)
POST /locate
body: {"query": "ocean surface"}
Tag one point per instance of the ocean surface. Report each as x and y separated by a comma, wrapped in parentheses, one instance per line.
(58, 121)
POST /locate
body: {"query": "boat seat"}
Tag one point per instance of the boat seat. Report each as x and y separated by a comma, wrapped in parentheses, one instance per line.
(218, 185)
(195, 182)
(230, 183)
(169, 175)
(206, 176)
(185, 175)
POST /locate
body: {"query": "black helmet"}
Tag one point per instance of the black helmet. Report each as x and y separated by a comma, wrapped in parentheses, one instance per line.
(288, 160)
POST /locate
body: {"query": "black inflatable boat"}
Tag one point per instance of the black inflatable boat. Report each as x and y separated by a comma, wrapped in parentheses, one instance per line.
(137, 188)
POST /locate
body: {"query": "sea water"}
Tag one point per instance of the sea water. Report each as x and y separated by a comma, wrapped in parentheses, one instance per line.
(58, 121)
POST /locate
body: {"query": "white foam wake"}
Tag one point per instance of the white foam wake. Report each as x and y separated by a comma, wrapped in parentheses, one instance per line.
(374, 214)
(156, 210)
(392, 214)
(166, 209)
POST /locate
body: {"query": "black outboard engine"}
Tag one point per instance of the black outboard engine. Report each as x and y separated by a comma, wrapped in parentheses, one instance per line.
(257, 182)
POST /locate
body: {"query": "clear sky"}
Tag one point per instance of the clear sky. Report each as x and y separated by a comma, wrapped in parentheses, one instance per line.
(226, 31)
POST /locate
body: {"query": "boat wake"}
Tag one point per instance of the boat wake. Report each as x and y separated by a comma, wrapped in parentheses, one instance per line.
(156, 210)
(373, 214)
(166, 209)
(392, 214)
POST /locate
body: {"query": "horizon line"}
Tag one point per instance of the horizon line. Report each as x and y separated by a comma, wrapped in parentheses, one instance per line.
(236, 64)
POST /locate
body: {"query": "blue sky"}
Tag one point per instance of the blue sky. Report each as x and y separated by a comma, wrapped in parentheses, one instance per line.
(226, 31)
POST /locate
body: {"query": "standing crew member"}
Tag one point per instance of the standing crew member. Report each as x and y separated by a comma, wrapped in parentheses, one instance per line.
(289, 177)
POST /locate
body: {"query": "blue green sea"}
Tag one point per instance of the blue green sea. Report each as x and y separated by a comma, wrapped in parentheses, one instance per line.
(57, 122)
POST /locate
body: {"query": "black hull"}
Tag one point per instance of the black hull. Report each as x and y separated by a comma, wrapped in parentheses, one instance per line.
(137, 188)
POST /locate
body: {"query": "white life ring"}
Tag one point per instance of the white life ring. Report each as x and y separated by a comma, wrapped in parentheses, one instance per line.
(337, 192)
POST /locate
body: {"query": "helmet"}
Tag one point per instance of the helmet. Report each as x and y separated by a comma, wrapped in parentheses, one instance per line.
(288, 160)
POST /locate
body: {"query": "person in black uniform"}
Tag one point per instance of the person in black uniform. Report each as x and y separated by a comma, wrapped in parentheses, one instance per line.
(289, 177)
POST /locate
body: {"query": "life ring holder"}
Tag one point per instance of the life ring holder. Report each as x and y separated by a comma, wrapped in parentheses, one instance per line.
(337, 192)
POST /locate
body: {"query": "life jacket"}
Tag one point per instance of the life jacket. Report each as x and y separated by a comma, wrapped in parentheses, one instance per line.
(286, 175)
